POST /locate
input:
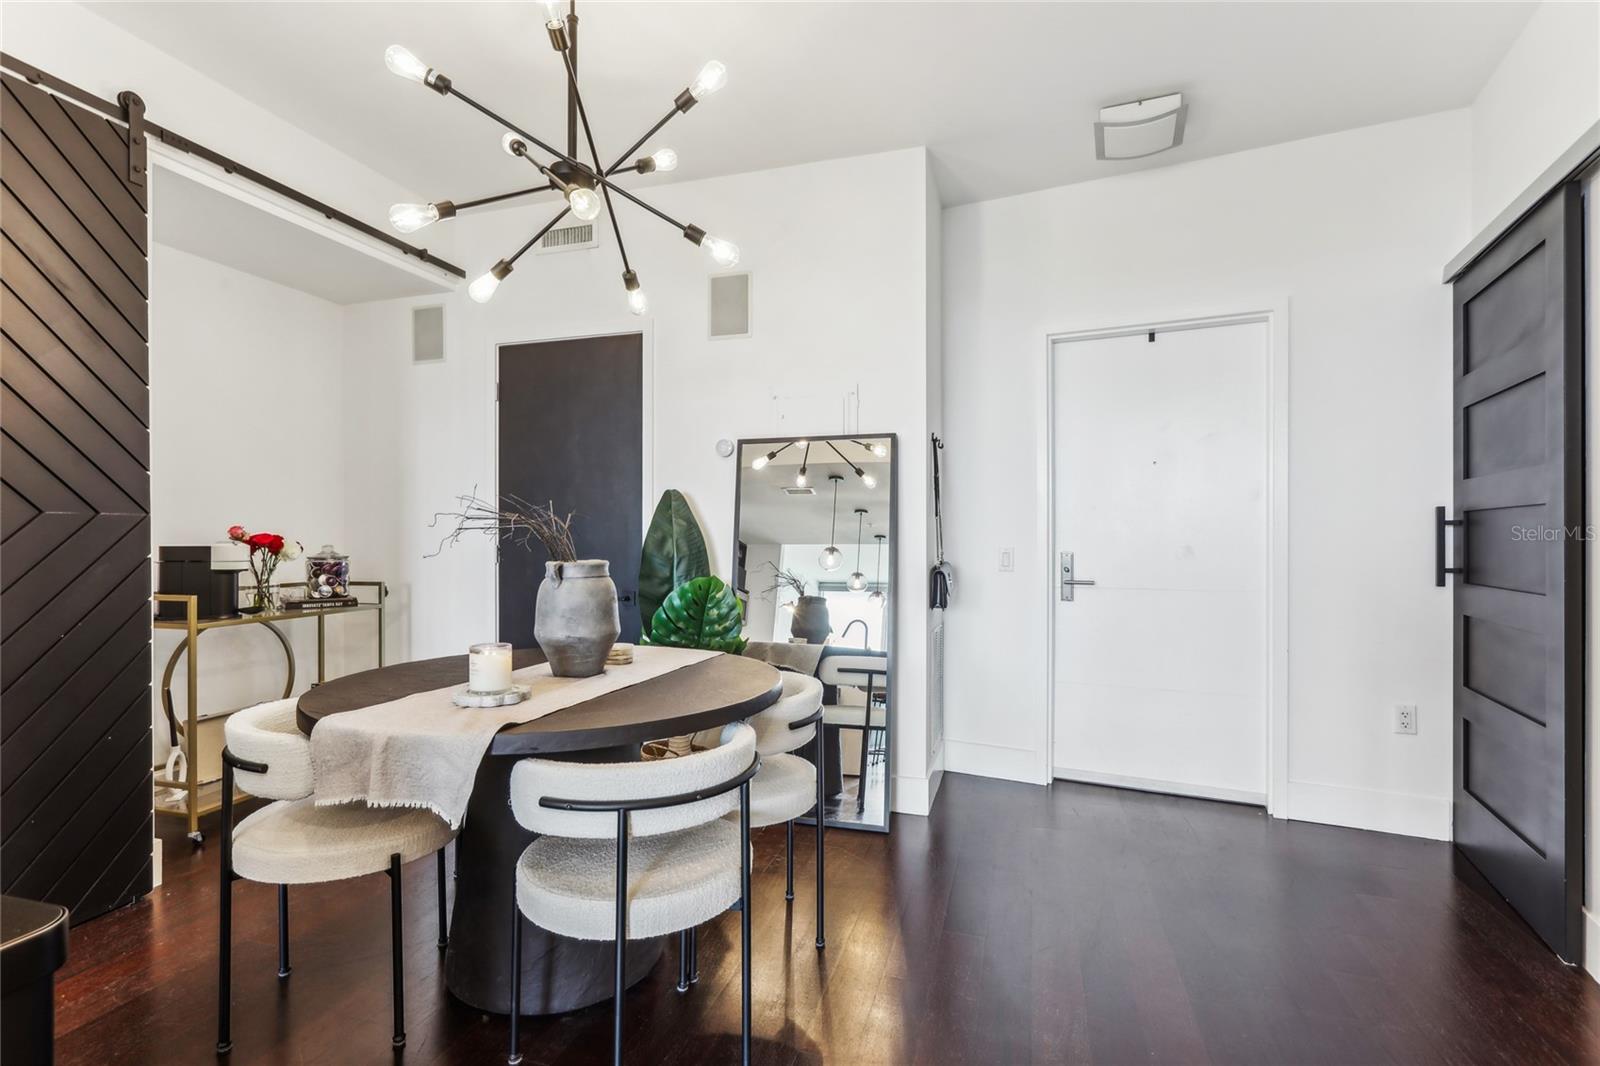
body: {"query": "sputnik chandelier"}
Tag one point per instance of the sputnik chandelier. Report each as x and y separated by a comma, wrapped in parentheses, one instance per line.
(586, 187)
(802, 477)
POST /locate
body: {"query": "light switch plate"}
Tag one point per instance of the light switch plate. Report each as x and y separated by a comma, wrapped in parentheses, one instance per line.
(1006, 561)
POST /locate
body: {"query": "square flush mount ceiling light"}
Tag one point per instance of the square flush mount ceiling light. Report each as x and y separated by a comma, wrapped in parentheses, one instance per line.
(1140, 127)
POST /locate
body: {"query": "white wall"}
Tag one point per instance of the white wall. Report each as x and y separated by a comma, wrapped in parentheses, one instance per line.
(1348, 230)
(236, 362)
(838, 251)
(1544, 93)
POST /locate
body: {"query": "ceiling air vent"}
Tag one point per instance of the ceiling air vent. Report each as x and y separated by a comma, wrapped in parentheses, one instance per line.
(1140, 127)
(790, 490)
(569, 238)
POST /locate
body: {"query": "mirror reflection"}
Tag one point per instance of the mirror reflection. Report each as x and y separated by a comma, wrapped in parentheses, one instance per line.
(814, 567)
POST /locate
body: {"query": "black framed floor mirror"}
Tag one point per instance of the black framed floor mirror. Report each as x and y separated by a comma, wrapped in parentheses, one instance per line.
(815, 521)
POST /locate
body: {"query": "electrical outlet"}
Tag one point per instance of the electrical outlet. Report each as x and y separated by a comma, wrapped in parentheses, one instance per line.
(1006, 561)
(1405, 718)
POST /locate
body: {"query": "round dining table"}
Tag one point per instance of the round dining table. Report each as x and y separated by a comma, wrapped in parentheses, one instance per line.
(558, 973)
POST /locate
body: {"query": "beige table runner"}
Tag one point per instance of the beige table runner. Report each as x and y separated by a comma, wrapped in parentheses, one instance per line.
(423, 751)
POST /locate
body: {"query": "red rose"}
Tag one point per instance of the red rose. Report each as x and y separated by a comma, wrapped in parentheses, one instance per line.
(261, 540)
(236, 533)
(275, 545)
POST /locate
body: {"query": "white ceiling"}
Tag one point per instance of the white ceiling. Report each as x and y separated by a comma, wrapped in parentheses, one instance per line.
(1003, 94)
(202, 219)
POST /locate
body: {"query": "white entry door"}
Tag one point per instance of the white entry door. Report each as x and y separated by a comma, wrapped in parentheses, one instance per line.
(1160, 469)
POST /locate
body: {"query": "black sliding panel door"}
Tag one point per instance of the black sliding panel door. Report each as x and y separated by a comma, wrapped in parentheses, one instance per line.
(572, 434)
(74, 508)
(1519, 654)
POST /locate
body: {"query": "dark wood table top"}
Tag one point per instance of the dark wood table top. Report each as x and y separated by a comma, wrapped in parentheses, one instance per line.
(722, 689)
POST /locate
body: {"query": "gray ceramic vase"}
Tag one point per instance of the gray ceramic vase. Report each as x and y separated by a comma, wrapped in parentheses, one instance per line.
(811, 620)
(575, 619)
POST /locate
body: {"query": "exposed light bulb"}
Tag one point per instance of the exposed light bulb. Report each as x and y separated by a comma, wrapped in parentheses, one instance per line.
(857, 582)
(637, 302)
(712, 77)
(553, 15)
(802, 444)
(513, 145)
(400, 61)
(408, 218)
(831, 558)
(869, 481)
(876, 598)
(483, 288)
(585, 203)
(761, 461)
(665, 159)
(723, 253)
(880, 451)
(800, 479)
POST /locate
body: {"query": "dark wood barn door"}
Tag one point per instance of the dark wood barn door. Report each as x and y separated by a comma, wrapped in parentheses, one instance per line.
(1519, 654)
(74, 523)
(572, 433)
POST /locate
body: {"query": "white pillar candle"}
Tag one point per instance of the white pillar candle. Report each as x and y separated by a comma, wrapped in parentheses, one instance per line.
(489, 668)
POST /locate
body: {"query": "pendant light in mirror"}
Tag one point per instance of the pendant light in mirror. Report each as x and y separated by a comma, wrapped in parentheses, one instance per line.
(832, 558)
(858, 580)
(877, 582)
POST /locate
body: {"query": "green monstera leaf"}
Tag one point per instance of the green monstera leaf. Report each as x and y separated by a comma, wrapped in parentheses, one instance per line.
(703, 613)
(674, 553)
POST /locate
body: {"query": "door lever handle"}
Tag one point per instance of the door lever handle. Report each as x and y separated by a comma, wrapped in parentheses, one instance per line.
(1068, 580)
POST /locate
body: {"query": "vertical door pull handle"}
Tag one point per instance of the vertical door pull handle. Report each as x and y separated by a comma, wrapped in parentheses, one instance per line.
(1440, 522)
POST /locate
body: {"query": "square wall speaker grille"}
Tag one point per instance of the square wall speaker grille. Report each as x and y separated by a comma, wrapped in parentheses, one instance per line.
(730, 305)
(427, 334)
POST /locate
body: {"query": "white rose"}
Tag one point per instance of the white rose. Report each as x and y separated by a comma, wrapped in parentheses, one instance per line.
(291, 550)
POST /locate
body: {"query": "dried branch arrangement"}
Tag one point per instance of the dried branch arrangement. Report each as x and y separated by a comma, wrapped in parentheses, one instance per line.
(785, 579)
(513, 521)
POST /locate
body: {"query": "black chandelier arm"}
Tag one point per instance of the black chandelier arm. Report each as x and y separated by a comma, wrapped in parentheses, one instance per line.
(853, 466)
(486, 200)
(599, 179)
(546, 228)
(651, 132)
(594, 153)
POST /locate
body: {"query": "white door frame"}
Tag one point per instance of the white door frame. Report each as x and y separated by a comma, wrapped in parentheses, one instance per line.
(1275, 313)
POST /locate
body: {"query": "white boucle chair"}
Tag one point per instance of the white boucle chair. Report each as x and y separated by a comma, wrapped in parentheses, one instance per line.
(295, 842)
(789, 786)
(677, 862)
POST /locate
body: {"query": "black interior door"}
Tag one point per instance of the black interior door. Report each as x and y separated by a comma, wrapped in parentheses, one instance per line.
(1519, 656)
(572, 434)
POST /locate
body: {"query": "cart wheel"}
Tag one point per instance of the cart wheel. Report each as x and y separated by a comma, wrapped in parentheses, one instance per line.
(197, 836)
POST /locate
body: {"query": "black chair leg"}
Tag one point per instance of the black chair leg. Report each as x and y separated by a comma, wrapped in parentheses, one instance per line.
(444, 923)
(283, 930)
(225, 923)
(683, 960)
(744, 923)
(788, 891)
(514, 1008)
(821, 822)
(622, 937)
(397, 943)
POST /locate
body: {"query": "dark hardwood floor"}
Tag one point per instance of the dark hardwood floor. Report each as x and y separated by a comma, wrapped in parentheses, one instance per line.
(1074, 924)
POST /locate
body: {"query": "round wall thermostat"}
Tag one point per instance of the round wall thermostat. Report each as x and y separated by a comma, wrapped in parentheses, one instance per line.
(724, 447)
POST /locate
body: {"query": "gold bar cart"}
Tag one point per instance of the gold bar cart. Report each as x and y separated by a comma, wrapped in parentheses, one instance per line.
(202, 798)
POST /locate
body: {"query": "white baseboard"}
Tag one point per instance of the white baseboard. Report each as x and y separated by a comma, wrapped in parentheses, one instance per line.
(1361, 808)
(1591, 943)
(155, 863)
(992, 760)
(1169, 788)
(913, 795)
